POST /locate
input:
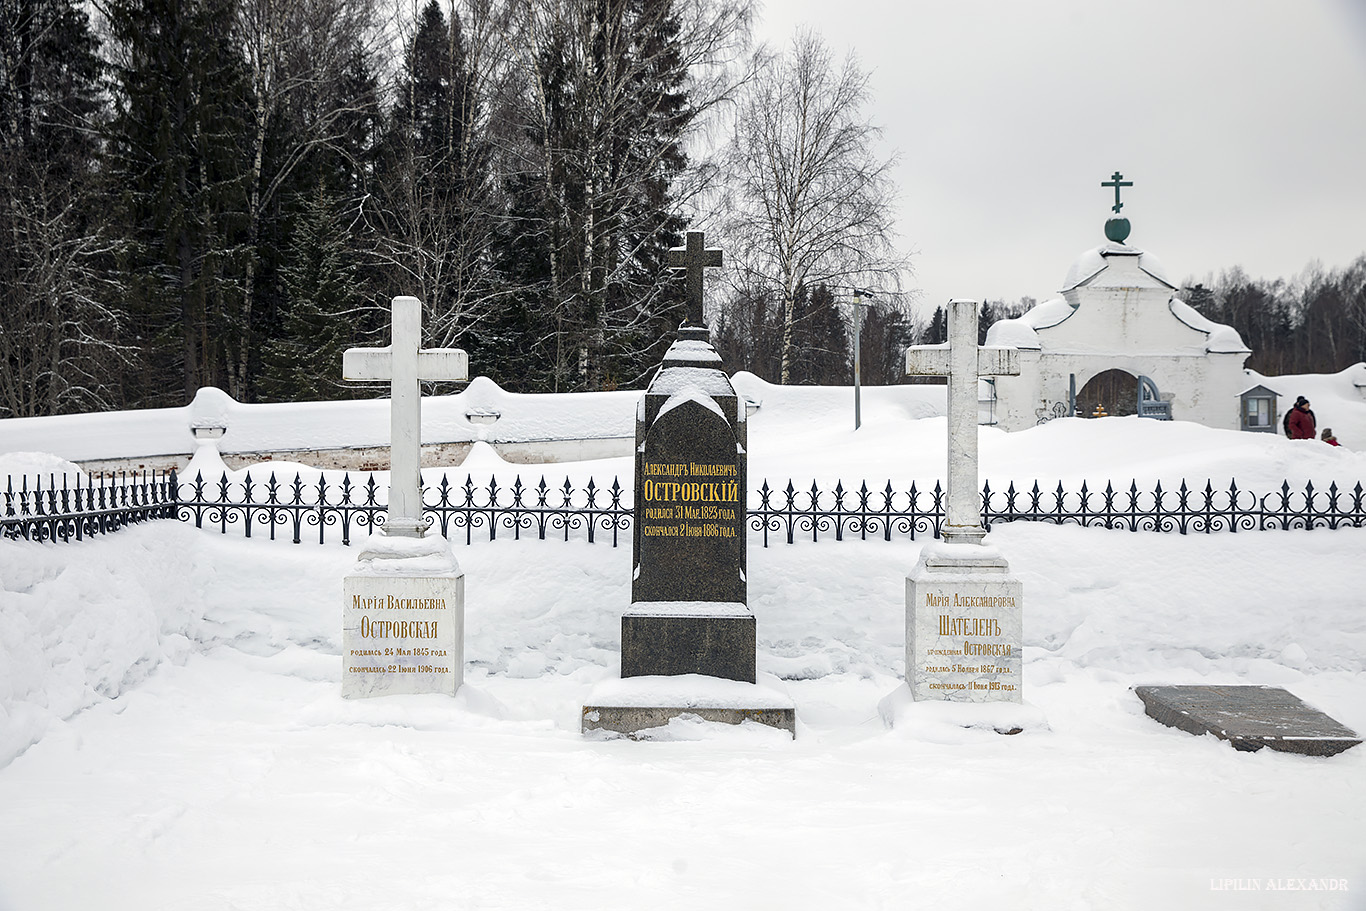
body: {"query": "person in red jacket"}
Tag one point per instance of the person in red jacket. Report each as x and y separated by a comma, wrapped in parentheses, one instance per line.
(1329, 438)
(1300, 421)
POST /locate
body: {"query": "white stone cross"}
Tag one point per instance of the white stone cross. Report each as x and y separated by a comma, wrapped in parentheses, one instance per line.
(962, 362)
(404, 363)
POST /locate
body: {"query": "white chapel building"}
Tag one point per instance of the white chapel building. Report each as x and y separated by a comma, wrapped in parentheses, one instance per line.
(1118, 312)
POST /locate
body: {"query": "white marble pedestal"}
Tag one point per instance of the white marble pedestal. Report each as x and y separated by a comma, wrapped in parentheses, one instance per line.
(403, 618)
(963, 626)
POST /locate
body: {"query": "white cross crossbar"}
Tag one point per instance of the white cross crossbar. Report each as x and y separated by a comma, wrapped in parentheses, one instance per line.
(405, 364)
(963, 362)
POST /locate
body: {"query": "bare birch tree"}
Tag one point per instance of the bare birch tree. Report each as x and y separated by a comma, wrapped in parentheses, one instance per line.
(59, 325)
(809, 201)
(59, 335)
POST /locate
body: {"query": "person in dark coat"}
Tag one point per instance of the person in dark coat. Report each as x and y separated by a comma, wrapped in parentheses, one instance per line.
(1300, 421)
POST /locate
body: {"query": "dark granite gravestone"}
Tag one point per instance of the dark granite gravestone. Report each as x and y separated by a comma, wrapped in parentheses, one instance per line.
(688, 638)
(688, 613)
(1248, 717)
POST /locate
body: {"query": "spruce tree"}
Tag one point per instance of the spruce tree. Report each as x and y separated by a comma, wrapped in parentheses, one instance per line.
(177, 143)
(304, 362)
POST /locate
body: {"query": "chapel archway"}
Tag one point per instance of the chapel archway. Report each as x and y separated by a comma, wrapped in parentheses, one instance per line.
(1114, 390)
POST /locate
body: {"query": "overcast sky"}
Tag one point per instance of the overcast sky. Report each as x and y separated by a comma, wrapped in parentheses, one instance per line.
(1242, 124)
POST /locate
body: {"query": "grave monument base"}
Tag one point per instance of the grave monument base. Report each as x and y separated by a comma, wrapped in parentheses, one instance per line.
(403, 618)
(899, 710)
(963, 626)
(634, 706)
(711, 638)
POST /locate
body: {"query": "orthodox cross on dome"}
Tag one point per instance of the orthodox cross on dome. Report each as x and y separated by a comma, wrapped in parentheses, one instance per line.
(405, 364)
(694, 257)
(962, 361)
(1117, 181)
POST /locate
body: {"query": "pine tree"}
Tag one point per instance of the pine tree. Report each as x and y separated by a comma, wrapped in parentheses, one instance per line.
(887, 332)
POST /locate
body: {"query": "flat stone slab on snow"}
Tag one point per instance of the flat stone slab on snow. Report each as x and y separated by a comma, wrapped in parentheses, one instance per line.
(631, 705)
(1249, 717)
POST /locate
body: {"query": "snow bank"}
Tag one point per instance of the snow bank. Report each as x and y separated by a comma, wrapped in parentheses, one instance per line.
(85, 622)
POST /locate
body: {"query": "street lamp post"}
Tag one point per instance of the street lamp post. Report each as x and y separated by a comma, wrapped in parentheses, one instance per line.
(859, 295)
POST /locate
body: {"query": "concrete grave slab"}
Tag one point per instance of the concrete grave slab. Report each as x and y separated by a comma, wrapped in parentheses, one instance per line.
(635, 706)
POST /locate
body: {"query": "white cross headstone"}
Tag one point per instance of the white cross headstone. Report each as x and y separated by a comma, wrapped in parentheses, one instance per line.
(964, 607)
(405, 364)
(963, 362)
(403, 614)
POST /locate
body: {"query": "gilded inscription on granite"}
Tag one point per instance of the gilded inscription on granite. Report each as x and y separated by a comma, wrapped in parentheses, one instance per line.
(690, 500)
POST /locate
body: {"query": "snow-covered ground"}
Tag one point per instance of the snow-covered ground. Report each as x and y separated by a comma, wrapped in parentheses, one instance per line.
(172, 733)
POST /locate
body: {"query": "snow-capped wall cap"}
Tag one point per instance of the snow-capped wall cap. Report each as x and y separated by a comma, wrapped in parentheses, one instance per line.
(1084, 268)
(1153, 266)
(1093, 262)
(210, 407)
(1222, 339)
(1021, 332)
(483, 394)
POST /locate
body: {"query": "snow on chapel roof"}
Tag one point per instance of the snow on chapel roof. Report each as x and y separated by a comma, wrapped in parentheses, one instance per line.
(1021, 331)
(1222, 339)
(1093, 262)
(1110, 265)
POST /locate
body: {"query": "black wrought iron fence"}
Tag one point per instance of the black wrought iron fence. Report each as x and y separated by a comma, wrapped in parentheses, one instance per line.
(89, 505)
(353, 508)
(297, 508)
(793, 512)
